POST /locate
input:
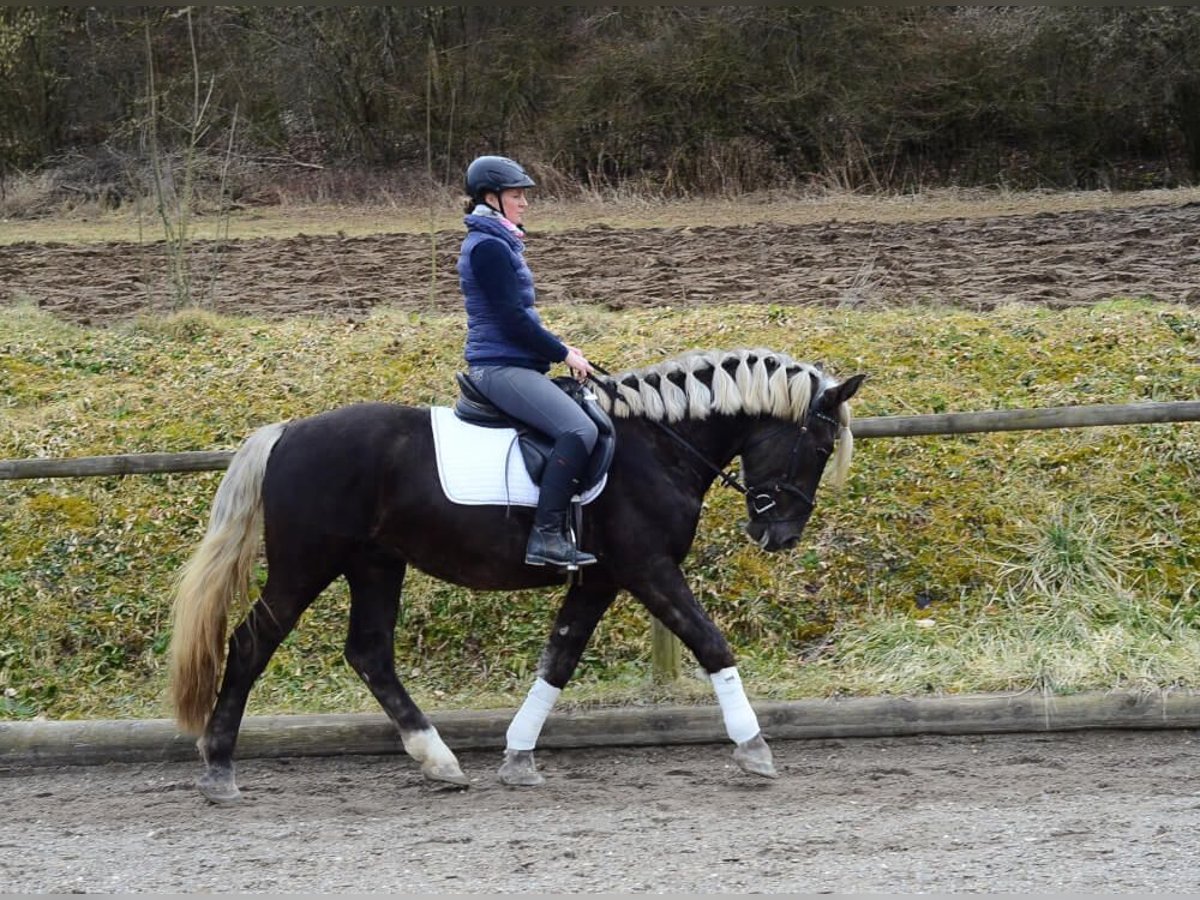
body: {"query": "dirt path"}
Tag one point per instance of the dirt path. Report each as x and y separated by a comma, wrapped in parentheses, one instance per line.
(1085, 811)
(1053, 258)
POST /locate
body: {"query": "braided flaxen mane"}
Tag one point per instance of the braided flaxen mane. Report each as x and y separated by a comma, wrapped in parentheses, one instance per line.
(752, 381)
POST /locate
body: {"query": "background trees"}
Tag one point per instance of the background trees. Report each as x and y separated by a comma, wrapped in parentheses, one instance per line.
(668, 99)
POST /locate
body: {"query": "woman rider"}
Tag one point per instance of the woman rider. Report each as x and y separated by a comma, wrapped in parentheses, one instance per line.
(508, 350)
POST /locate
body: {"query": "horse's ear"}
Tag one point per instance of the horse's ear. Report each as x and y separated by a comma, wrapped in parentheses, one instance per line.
(844, 391)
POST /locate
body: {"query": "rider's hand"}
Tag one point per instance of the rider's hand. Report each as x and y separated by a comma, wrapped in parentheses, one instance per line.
(578, 363)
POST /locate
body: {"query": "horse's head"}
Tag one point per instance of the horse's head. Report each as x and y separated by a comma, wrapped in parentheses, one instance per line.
(783, 462)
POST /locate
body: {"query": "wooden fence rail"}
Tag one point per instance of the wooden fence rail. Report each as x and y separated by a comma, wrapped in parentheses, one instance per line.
(124, 464)
(881, 426)
(1029, 419)
(665, 661)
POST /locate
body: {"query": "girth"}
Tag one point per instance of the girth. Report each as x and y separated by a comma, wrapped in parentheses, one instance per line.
(472, 406)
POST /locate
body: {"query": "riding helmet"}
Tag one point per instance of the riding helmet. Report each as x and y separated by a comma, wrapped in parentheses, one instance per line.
(495, 173)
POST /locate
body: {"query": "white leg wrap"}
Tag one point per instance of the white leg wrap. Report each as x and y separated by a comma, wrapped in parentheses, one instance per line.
(740, 721)
(527, 724)
(427, 746)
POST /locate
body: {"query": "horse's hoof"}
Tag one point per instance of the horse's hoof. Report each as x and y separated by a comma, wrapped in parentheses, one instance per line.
(446, 775)
(754, 756)
(519, 770)
(218, 787)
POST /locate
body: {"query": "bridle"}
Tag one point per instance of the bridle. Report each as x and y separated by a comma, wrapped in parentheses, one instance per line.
(764, 497)
(760, 498)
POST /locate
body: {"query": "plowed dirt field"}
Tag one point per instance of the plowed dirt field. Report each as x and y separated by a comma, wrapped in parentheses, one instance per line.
(978, 262)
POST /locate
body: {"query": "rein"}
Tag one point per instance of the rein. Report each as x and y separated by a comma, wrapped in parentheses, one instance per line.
(759, 499)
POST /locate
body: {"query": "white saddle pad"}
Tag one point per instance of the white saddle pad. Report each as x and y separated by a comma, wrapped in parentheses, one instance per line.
(481, 466)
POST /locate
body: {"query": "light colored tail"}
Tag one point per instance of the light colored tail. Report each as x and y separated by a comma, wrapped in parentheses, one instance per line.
(212, 579)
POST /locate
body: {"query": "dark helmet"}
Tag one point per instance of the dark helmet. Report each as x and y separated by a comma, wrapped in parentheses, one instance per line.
(495, 173)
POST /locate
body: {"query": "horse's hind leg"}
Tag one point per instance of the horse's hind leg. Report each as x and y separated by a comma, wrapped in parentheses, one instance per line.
(251, 646)
(582, 609)
(375, 585)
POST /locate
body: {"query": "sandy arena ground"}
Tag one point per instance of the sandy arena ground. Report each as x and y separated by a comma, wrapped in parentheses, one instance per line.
(1093, 811)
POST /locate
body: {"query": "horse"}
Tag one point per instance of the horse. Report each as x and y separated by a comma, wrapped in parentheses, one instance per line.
(355, 492)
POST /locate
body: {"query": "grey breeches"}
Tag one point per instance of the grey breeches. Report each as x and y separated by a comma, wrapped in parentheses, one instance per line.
(534, 399)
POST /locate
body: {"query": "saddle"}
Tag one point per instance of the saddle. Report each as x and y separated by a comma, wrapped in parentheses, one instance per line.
(536, 447)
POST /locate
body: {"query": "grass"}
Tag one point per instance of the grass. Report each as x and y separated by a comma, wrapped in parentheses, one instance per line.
(1066, 612)
(1061, 560)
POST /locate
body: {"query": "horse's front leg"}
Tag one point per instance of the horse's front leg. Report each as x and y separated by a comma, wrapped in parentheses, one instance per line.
(663, 590)
(582, 609)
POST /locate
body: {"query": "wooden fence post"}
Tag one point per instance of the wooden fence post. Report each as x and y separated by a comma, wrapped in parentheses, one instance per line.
(665, 651)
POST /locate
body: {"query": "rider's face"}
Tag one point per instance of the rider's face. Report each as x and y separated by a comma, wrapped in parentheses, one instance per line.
(512, 203)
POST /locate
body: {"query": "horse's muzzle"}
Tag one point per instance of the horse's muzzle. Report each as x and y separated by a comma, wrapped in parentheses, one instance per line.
(774, 536)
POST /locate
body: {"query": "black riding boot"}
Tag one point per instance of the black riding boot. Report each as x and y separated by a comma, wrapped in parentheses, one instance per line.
(550, 541)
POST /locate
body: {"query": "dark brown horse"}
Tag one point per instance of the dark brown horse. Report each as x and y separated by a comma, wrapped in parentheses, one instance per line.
(354, 492)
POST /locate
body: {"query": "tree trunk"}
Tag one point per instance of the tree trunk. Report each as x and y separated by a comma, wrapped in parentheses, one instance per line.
(1187, 117)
